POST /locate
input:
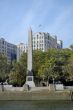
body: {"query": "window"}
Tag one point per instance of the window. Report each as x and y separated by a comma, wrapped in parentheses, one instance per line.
(34, 46)
(37, 36)
(37, 45)
(48, 37)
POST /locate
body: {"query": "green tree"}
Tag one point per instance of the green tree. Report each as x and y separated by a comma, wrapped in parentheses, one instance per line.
(17, 76)
(54, 64)
(3, 67)
(68, 69)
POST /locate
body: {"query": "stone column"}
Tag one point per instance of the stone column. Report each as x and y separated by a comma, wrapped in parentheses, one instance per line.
(29, 77)
(29, 52)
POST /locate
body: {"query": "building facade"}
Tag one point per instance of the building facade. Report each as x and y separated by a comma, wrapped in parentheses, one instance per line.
(20, 49)
(40, 41)
(8, 49)
(44, 41)
(59, 44)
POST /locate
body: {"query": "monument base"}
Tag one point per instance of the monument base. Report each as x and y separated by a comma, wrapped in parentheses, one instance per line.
(30, 81)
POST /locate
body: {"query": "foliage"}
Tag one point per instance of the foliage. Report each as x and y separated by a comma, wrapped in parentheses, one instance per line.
(17, 75)
(54, 64)
(3, 68)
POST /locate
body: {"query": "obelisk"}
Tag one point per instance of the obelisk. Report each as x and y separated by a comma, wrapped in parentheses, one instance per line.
(29, 77)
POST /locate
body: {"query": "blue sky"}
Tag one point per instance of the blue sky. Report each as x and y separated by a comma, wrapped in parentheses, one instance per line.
(54, 16)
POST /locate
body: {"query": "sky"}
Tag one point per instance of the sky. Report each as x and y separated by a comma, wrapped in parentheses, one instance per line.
(52, 16)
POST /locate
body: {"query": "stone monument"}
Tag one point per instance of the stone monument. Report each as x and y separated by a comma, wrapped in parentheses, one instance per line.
(29, 77)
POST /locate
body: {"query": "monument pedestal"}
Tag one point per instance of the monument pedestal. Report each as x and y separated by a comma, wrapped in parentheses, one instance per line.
(30, 81)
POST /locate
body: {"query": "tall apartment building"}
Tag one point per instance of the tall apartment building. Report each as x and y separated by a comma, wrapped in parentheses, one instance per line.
(8, 49)
(20, 49)
(44, 41)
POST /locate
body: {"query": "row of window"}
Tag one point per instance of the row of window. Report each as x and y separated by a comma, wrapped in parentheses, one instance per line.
(34, 48)
(38, 41)
(38, 37)
(41, 37)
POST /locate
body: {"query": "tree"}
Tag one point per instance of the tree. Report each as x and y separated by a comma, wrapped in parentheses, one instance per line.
(17, 76)
(54, 64)
(68, 69)
(38, 60)
(3, 68)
